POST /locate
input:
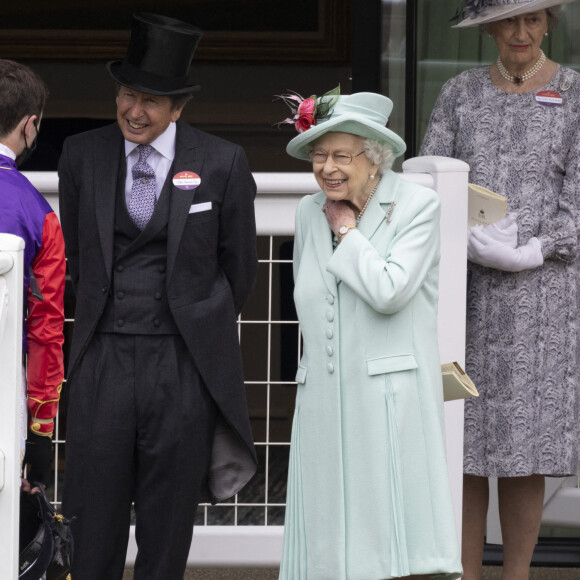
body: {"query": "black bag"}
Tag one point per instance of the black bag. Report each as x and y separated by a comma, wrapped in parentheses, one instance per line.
(46, 543)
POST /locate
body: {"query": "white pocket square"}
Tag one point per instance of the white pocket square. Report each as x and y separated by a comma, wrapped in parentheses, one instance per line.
(197, 207)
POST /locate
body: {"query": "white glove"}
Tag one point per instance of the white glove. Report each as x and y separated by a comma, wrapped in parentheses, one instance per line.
(504, 231)
(484, 250)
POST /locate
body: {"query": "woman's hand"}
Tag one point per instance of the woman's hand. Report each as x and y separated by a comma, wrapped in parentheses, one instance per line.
(484, 250)
(338, 213)
(504, 231)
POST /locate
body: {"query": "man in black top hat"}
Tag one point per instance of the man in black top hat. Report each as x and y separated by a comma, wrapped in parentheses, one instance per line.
(159, 226)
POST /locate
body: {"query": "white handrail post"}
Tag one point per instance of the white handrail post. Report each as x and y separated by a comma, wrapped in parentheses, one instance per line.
(450, 178)
(11, 296)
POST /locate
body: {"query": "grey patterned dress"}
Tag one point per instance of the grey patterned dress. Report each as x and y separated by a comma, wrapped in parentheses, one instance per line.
(522, 327)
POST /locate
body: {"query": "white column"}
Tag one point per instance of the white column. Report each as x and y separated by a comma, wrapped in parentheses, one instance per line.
(11, 276)
(450, 181)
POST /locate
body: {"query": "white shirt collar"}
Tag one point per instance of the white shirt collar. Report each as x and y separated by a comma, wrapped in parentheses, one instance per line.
(7, 151)
(164, 144)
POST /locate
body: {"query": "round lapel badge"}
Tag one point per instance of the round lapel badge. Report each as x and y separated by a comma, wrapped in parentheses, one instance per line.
(549, 99)
(186, 180)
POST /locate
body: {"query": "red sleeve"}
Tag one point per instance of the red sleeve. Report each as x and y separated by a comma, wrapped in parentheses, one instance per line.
(45, 370)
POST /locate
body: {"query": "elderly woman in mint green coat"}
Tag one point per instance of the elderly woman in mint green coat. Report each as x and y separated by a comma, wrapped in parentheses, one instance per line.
(368, 494)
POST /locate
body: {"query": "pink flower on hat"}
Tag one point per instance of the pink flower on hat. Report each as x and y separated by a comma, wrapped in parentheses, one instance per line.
(307, 107)
(307, 111)
(305, 115)
(304, 122)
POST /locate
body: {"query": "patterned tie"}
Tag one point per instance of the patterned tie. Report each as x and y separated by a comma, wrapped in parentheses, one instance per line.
(142, 200)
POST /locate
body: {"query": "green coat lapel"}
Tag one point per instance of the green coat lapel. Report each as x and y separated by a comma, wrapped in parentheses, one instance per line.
(379, 208)
(322, 235)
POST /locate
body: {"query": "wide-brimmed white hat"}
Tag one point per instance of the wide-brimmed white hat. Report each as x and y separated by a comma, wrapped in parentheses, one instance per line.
(363, 114)
(477, 12)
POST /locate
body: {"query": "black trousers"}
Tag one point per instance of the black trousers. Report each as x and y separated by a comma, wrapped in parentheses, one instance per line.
(139, 428)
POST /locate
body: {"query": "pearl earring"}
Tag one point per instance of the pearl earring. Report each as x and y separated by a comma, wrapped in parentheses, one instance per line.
(545, 34)
(372, 176)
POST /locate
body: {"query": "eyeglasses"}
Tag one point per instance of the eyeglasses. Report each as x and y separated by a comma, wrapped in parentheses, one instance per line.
(320, 157)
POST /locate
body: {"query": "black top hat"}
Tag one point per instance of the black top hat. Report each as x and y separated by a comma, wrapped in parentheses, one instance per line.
(159, 55)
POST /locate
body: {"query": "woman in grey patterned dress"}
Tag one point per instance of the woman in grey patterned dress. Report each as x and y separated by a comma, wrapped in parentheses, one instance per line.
(517, 124)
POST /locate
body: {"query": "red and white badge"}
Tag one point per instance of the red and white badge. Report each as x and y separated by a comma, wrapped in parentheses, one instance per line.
(186, 180)
(549, 99)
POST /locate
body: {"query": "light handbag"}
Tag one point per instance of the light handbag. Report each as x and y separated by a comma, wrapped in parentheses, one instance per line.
(456, 383)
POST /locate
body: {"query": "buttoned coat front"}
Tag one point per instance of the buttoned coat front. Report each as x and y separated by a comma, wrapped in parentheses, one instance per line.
(368, 494)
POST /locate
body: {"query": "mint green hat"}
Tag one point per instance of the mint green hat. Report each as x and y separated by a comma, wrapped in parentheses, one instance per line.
(363, 114)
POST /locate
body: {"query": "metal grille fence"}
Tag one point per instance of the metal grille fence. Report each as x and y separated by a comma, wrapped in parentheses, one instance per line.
(266, 330)
(270, 339)
(270, 345)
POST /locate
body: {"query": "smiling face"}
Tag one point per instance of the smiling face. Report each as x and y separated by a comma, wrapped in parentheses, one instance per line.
(350, 182)
(144, 117)
(519, 38)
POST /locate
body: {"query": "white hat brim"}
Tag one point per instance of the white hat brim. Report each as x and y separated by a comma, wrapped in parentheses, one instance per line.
(495, 13)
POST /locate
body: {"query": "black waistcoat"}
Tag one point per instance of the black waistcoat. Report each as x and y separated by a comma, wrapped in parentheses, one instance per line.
(138, 302)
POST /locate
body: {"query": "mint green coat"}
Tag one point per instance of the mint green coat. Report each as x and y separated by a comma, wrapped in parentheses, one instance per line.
(368, 494)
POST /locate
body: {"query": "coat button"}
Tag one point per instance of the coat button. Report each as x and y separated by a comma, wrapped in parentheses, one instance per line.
(120, 295)
(120, 322)
(157, 295)
(156, 323)
(330, 316)
(161, 268)
(104, 289)
(329, 350)
(330, 368)
(329, 333)
(120, 267)
(330, 299)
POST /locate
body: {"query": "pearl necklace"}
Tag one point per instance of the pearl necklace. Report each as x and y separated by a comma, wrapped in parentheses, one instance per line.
(519, 79)
(367, 202)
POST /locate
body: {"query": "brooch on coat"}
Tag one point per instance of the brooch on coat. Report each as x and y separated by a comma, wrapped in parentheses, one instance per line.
(390, 212)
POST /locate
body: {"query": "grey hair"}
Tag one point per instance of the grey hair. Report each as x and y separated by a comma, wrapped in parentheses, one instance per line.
(379, 154)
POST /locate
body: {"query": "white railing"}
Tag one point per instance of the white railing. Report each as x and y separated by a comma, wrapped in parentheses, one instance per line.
(11, 295)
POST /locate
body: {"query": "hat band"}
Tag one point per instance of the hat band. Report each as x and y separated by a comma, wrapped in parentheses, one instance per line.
(368, 114)
(152, 80)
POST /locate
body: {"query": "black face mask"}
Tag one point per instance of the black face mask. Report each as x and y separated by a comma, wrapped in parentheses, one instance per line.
(25, 154)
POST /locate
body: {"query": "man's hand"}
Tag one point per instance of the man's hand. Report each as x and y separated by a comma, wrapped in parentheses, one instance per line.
(26, 487)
